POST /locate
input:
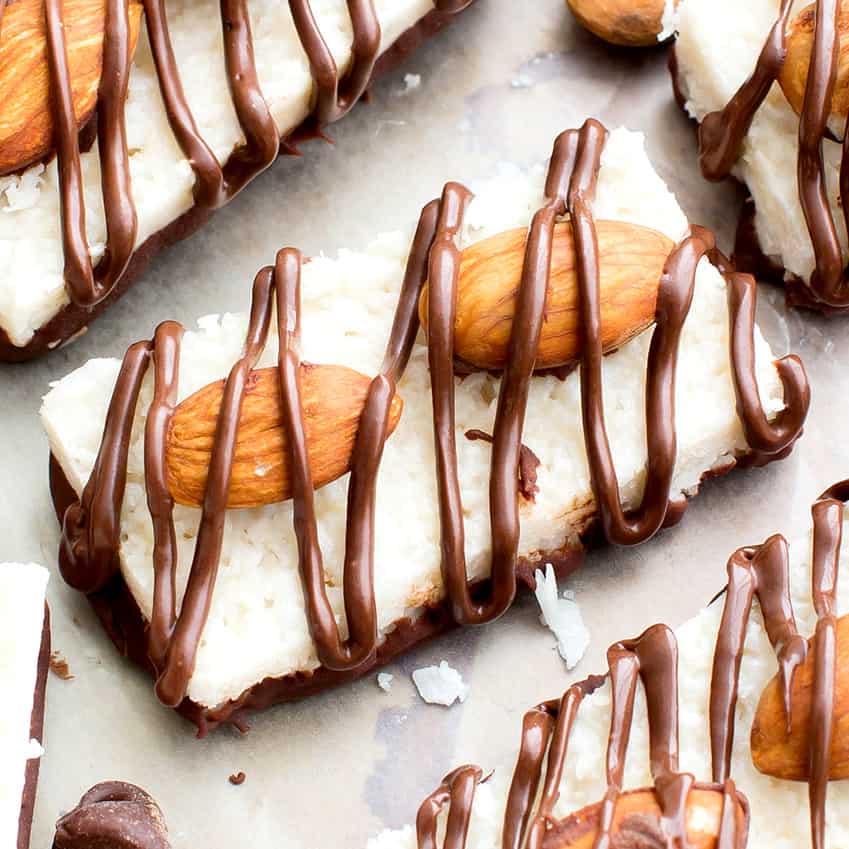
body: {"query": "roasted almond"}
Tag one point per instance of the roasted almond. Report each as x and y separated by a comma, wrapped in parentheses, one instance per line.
(637, 822)
(26, 114)
(785, 756)
(800, 42)
(628, 23)
(631, 260)
(333, 398)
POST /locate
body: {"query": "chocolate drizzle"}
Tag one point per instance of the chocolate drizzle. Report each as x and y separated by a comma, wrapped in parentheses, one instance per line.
(722, 133)
(89, 554)
(764, 572)
(535, 788)
(113, 815)
(87, 283)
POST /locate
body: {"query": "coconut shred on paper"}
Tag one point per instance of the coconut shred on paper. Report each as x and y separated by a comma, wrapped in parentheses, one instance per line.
(562, 616)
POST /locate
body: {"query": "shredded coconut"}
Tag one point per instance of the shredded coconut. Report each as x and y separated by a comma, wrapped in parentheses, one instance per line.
(411, 83)
(563, 616)
(20, 191)
(440, 685)
(34, 750)
(384, 681)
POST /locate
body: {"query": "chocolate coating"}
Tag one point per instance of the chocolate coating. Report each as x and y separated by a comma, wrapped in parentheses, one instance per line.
(722, 133)
(91, 526)
(113, 815)
(209, 190)
(36, 732)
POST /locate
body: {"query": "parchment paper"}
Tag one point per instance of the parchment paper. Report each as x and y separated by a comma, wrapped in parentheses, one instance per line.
(496, 87)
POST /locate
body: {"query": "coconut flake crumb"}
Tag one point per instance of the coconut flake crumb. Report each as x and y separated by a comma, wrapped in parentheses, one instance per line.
(411, 83)
(562, 615)
(440, 685)
(21, 191)
(384, 681)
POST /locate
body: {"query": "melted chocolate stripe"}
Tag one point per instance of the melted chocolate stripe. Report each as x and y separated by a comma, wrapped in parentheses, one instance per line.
(722, 133)
(458, 791)
(208, 190)
(828, 532)
(434, 258)
(166, 356)
(88, 285)
(360, 605)
(262, 138)
(91, 528)
(334, 99)
(537, 727)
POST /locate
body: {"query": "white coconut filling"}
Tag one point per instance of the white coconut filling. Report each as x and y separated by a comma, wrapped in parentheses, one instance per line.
(779, 809)
(32, 289)
(257, 625)
(718, 45)
(22, 589)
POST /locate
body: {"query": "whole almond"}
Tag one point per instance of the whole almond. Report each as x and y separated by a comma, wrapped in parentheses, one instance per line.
(784, 756)
(794, 72)
(637, 822)
(628, 23)
(332, 397)
(631, 261)
(26, 117)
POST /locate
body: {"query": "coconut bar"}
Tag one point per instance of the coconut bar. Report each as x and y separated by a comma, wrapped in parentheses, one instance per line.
(195, 106)
(24, 660)
(770, 101)
(480, 449)
(738, 734)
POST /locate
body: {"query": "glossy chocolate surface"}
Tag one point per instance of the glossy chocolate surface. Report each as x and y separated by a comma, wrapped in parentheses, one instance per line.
(113, 815)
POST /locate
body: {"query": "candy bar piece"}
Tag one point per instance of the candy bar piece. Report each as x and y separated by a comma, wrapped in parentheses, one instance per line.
(24, 659)
(191, 106)
(773, 125)
(458, 473)
(113, 815)
(744, 707)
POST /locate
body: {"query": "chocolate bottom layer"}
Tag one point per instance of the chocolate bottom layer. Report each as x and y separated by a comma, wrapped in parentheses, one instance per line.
(748, 254)
(36, 732)
(119, 613)
(73, 319)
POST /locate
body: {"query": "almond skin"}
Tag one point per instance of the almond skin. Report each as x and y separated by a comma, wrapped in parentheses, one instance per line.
(777, 754)
(631, 263)
(333, 398)
(636, 823)
(794, 72)
(26, 117)
(627, 23)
